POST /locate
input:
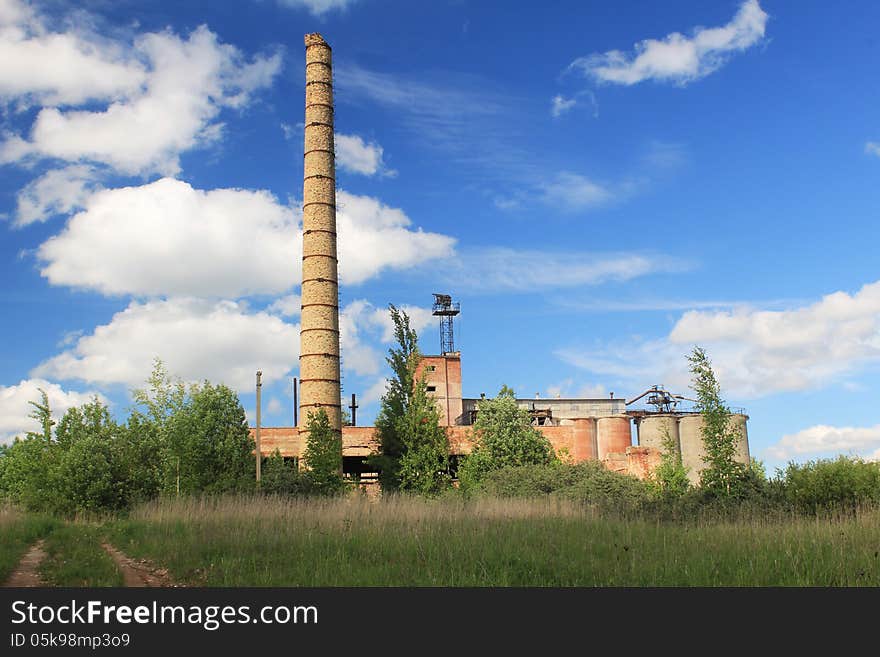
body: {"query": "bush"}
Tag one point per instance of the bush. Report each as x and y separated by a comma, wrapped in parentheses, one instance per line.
(844, 483)
(279, 477)
(198, 438)
(589, 482)
(503, 436)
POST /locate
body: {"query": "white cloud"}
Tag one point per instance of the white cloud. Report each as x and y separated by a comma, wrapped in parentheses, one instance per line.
(167, 238)
(419, 320)
(794, 349)
(15, 409)
(182, 86)
(571, 191)
(357, 357)
(357, 156)
(560, 105)
(560, 389)
(288, 306)
(360, 317)
(754, 352)
(633, 365)
(274, 406)
(515, 270)
(374, 393)
(58, 191)
(291, 131)
(317, 7)
(461, 115)
(822, 439)
(591, 391)
(566, 390)
(872, 148)
(196, 339)
(678, 58)
(374, 237)
(50, 68)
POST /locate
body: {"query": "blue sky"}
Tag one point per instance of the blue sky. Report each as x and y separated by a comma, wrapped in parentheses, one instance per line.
(602, 186)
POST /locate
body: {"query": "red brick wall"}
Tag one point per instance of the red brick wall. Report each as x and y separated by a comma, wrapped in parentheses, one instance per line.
(577, 439)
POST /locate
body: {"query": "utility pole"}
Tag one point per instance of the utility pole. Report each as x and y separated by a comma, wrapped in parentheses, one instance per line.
(295, 404)
(259, 454)
(353, 408)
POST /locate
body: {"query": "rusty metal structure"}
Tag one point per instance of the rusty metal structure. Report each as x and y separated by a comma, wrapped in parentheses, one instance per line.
(319, 337)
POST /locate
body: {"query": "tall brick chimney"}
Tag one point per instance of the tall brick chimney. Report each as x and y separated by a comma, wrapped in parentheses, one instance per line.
(319, 329)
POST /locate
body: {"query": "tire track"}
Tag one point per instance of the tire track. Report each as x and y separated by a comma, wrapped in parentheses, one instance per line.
(138, 574)
(27, 573)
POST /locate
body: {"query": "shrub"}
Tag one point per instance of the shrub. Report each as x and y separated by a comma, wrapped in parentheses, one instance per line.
(503, 436)
(279, 477)
(589, 482)
(840, 484)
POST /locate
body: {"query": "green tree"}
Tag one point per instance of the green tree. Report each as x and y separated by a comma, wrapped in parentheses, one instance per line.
(403, 359)
(29, 472)
(670, 478)
(323, 454)
(723, 475)
(43, 415)
(424, 465)
(163, 397)
(160, 401)
(208, 444)
(141, 453)
(502, 436)
(30, 464)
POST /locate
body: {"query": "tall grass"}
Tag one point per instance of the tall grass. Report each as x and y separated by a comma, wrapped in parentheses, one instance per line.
(400, 541)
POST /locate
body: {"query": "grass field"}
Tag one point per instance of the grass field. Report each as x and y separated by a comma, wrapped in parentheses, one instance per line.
(453, 542)
(17, 532)
(74, 557)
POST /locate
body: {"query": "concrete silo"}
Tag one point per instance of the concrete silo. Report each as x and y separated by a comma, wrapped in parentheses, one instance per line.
(739, 421)
(613, 435)
(585, 447)
(693, 455)
(652, 431)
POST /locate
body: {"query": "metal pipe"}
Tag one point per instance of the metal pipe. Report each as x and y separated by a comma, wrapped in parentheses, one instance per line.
(257, 436)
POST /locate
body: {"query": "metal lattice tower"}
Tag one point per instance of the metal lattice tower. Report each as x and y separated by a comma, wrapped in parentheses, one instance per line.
(446, 311)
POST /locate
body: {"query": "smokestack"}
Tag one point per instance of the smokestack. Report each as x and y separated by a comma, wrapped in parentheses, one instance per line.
(319, 328)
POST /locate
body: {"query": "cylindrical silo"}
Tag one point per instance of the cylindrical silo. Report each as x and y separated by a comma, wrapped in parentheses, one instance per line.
(613, 435)
(653, 430)
(690, 437)
(319, 322)
(738, 422)
(585, 448)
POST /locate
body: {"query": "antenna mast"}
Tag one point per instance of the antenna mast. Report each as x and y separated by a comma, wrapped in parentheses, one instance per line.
(446, 311)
